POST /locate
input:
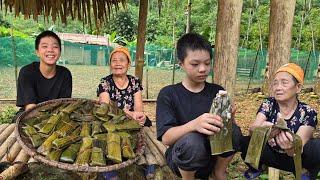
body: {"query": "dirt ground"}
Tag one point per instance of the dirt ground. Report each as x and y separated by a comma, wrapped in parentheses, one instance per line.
(247, 105)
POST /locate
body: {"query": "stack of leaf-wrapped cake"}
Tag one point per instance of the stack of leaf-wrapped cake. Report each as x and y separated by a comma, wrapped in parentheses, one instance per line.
(82, 132)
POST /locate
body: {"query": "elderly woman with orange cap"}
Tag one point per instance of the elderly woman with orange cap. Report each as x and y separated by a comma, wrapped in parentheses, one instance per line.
(124, 89)
(301, 119)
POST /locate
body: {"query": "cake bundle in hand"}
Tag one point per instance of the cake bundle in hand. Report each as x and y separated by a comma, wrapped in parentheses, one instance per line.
(222, 141)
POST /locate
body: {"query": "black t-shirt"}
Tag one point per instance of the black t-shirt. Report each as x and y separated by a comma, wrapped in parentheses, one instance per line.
(176, 105)
(34, 88)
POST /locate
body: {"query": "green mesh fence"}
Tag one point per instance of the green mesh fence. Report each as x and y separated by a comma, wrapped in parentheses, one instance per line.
(88, 63)
(308, 61)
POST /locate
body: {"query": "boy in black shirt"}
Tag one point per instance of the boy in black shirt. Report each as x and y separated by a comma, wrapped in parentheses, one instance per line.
(183, 121)
(44, 80)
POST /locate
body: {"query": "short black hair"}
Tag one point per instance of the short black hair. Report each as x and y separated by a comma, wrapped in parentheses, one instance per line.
(192, 41)
(46, 34)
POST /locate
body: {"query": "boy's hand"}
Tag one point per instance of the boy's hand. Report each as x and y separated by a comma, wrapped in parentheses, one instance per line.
(208, 124)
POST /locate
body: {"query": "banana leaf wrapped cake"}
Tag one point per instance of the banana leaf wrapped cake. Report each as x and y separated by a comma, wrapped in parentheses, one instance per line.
(77, 134)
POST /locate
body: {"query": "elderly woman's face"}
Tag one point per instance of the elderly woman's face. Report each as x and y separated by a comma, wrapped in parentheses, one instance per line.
(119, 63)
(284, 87)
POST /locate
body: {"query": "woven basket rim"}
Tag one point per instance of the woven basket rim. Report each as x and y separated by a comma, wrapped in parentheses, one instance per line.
(30, 150)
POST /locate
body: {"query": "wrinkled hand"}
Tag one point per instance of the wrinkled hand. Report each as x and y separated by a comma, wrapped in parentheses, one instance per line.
(272, 142)
(139, 116)
(208, 124)
(284, 140)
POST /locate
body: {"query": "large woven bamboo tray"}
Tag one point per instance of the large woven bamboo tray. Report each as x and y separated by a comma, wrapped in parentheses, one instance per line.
(26, 144)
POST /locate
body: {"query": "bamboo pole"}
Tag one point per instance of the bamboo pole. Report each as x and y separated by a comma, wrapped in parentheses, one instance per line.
(13, 171)
(150, 159)
(142, 160)
(3, 127)
(12, 154)
(162, 148)
(4, 148)
(6, 133)
(22, 157)
(16, 169)
(156, 153)
(188, 26)
(141, 38)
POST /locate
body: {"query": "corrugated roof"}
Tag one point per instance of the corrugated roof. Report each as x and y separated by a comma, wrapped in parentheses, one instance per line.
(86, 39)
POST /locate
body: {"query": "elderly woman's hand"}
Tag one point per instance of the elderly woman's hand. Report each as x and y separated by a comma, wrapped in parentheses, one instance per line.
(140, 117)
(284, 140)
(136, 115)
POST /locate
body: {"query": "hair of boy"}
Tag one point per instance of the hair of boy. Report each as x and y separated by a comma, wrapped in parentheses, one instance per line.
(192, 41)
(46, 34)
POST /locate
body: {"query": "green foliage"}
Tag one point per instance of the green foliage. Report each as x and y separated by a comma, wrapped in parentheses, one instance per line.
(7, 114)
(3, 22)
(123, 25)
(4, 31)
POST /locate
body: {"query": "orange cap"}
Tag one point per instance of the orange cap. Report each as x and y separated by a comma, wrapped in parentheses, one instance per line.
(293, 69)
(121, 49)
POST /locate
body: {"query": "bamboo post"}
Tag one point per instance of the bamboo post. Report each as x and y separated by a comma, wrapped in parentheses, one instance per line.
(143, 12)
(13, 152)
(22, 157)
(14, 57)
(3, 127)
(162, 148)
(4, 148)
(150, 159)
(156, 153)
(6, 133)
(142, 160)
(16, 169)
(252, 71)
(188, 26)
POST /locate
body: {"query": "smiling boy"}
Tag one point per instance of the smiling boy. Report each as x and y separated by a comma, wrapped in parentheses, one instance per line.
(44, 80)
(183, 121)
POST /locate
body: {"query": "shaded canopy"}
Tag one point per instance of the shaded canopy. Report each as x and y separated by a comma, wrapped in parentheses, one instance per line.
(80, 9)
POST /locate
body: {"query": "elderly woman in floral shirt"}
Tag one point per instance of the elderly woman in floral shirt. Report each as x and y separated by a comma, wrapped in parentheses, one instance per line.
(301, 119)
(124, 89)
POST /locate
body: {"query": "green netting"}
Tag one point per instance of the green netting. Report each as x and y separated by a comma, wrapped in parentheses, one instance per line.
(308, 61)
(250, 62)
(24, 51)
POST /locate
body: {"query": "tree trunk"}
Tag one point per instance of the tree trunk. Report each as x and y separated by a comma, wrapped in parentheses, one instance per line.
(143, 12)
(227, 41)
(280, 26)
(188, 17)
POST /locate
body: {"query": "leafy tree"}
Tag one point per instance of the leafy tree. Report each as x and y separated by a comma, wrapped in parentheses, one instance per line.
(122, 23)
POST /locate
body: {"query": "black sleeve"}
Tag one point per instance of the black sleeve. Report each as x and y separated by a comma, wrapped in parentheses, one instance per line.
(165, 113)
(26, 92)
(66, 89)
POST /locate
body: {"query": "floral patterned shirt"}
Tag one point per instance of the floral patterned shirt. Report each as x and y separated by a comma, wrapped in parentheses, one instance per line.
(123, 97)
(303, 115)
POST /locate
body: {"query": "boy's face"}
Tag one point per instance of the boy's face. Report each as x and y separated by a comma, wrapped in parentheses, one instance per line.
(197, 65)
(48, 50)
